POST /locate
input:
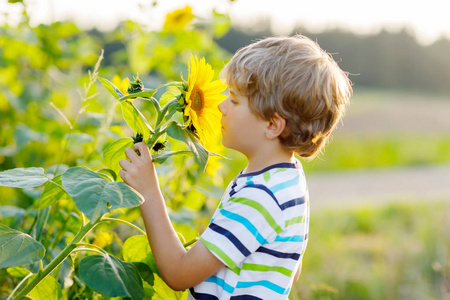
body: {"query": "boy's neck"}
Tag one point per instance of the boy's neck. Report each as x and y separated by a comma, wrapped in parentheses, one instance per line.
(263, 159)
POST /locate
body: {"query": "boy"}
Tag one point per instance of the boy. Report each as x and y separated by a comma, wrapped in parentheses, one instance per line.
(286, 97)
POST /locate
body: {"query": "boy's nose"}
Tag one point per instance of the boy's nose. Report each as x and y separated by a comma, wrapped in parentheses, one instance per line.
(221, 106)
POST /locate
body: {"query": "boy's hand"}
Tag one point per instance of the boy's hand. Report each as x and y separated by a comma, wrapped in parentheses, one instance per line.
(179, 269)
(139, 172)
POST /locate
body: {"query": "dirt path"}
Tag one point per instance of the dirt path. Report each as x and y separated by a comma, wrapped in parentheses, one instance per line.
(379, 113)
(373, 113)
(375, 187)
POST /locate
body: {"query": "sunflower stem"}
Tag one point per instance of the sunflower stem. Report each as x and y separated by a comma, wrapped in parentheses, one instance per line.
(164, 111)
(89, 247)
(154, 138)
(124, 222)
(156, 104)
(185, 245)
(55, 262)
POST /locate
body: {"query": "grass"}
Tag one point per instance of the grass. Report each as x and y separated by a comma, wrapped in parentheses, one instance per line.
(399, 251)
(366, 152)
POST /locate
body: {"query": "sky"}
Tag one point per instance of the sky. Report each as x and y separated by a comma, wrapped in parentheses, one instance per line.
(427, 19)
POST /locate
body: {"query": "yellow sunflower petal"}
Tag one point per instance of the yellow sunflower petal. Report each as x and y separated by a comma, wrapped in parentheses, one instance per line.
(202, 99)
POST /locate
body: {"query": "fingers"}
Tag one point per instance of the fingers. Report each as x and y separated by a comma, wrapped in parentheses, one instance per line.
(122, 174)
(132, 155)
(124, 164)
(143, 149)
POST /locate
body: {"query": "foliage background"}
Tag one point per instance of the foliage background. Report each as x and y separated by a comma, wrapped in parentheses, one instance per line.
(52, 116)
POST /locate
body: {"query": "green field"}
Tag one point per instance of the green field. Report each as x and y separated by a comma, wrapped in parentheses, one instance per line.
(400, 251)
(54, 114)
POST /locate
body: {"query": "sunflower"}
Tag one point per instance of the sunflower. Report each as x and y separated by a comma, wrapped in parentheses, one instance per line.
(178, 19)
(122, 85)
(202, 99)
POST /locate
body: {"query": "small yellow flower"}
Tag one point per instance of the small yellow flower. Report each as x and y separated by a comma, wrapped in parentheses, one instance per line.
(202, 99)
(122, 85)
(103, 239)
(178, 19)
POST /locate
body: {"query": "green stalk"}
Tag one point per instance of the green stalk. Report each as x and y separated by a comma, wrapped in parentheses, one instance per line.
(154, 138)
(19, 285)
(59, 259)
(164, 111)
(124, 222)
(185, 245)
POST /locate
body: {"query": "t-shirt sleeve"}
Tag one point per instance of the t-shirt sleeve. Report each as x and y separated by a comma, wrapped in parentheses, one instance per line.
(246, 221)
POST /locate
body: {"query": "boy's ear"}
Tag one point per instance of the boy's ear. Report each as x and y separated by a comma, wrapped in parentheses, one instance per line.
(275, 126)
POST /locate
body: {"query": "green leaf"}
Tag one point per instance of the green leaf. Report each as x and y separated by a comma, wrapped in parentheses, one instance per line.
(221, 24)
(166, 97)
(7, 211)
(145, 271)
(109, 173)
(47, 289)
(175, 131)
(23, 177)
(144, 94)
(134, 118)
(18, 248)
(111, 276)
(110, 87)
(115, 152)
(53, 192)
(161, 157)
(163, 291)
(137, 249)
(18, 272)
(95, 196)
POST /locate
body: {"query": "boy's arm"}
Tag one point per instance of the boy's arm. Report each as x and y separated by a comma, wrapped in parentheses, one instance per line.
(179, 268)
(298, 272)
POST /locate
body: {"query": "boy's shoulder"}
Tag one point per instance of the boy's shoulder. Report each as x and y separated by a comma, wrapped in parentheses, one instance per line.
(271, 175)
(276, 183)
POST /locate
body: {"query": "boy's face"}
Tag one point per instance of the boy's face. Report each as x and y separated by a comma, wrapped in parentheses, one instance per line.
(241, 129)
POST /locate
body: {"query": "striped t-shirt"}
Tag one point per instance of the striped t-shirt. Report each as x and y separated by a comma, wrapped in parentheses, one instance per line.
(259, 231)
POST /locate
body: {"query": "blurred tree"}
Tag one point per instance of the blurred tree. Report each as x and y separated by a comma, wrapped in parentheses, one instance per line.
(386, 59)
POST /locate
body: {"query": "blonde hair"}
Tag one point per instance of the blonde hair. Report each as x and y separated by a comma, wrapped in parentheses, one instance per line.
(294, 77)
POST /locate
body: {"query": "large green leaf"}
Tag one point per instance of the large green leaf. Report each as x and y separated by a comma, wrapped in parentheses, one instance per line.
(145, 271)
(111, 276)
(47, 289)
(115, 152)
(161, 157)
(18, 272)
(94, 195)
(134, 118)
(111, 87)
(163, 291)
(18, 248)
(23, 177)
(175, 131)
(137, 249)
(107, 174)
(144, 94)
(53, 192)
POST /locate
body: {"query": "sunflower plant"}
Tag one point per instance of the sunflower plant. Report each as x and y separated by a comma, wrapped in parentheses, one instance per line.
(196, 105)
(190, 116)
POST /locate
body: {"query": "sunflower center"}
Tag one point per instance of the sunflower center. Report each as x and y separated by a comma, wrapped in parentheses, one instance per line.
(197, 99)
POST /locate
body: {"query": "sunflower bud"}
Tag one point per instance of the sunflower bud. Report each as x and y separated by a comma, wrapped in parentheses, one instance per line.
(138, 138)
(136, 86)
(159, 146)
